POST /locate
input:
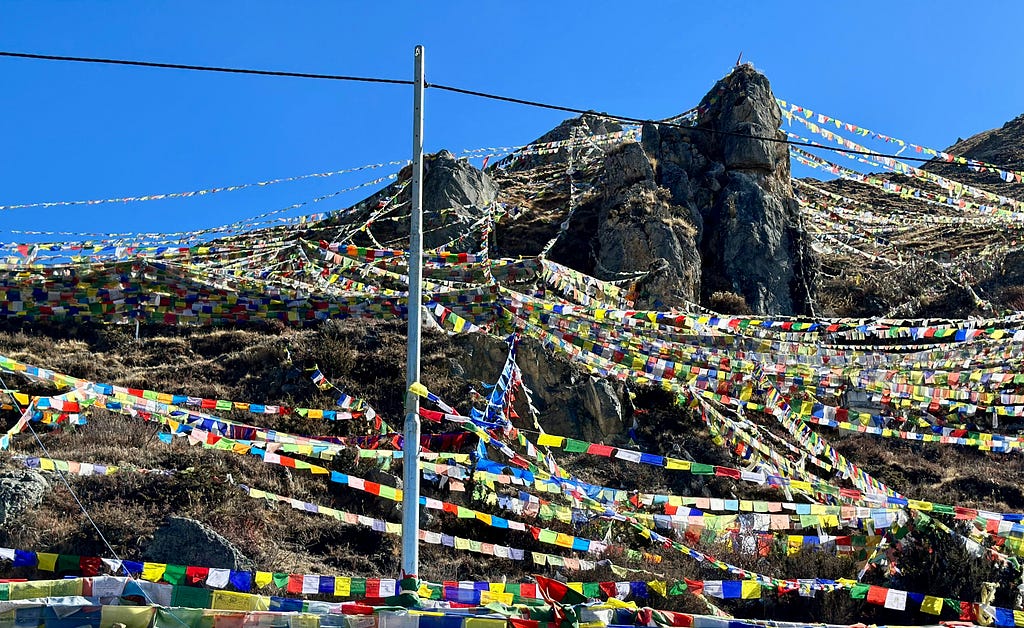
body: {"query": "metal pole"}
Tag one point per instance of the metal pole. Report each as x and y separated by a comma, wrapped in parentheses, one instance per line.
(411, 433)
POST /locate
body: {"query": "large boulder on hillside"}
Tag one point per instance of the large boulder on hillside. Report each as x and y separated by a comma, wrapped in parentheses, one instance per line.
(20, 490)
(455, 197)
(691, 212)
(184, 541)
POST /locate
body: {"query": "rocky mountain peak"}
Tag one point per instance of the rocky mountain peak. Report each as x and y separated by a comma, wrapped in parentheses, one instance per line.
(691, 212)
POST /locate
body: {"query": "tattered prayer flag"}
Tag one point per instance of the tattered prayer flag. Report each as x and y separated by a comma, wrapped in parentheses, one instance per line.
(555, 591)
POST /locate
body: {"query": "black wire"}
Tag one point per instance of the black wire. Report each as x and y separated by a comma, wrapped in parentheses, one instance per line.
(698, 129)
(206, 68)
(468, 92)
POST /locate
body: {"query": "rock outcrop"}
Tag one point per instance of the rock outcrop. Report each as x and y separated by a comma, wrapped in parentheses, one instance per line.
(455, 196)
(20, 490)
(751, 239)
(699, 211)
(630, 227)
(185, 541)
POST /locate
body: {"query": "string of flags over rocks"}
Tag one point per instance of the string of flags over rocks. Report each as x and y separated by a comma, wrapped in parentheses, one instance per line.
(932, 381)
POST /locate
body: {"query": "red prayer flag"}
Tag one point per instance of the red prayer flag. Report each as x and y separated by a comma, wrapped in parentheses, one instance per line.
(195, 576)
(876, 595)
(555, 591)
(600, 450)
(608, 588)
(373, 587)
(726, 472)
(294, 583)
(90, 565)
(967, 611)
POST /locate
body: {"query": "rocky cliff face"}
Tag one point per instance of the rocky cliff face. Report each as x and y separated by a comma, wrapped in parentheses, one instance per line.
(631, 227)
(738, 193)
(702, 210)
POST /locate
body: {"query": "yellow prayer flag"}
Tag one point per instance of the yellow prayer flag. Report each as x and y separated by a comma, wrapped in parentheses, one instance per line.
(800, 485)
(677, 464)
(153, 571)
(418, 389)
(263, 578)
(47, 562)
(750, 590)
(931, 605)
(342, 586)
(659, 587)
(232, 601)
(128, 616)
(548, 440)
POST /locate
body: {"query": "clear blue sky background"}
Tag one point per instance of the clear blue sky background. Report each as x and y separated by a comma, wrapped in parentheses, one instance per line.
(927, 71)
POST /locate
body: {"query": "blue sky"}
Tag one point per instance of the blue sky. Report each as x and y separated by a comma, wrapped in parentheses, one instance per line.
(927, 71)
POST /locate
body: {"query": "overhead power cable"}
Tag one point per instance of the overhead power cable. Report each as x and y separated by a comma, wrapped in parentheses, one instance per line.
(458, 90)
(207, 68)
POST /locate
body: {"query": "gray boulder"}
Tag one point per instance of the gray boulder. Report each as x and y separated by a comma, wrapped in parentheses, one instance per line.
(184, 541)
(20, 490)
(455, 195)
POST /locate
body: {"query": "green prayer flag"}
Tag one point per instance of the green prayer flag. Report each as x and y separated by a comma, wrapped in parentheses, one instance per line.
(859, 591)
(179, 617)
(175, 574)
(358, 588)
(280, 580)
(67, 562)
(574, 446)
(190, 597)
